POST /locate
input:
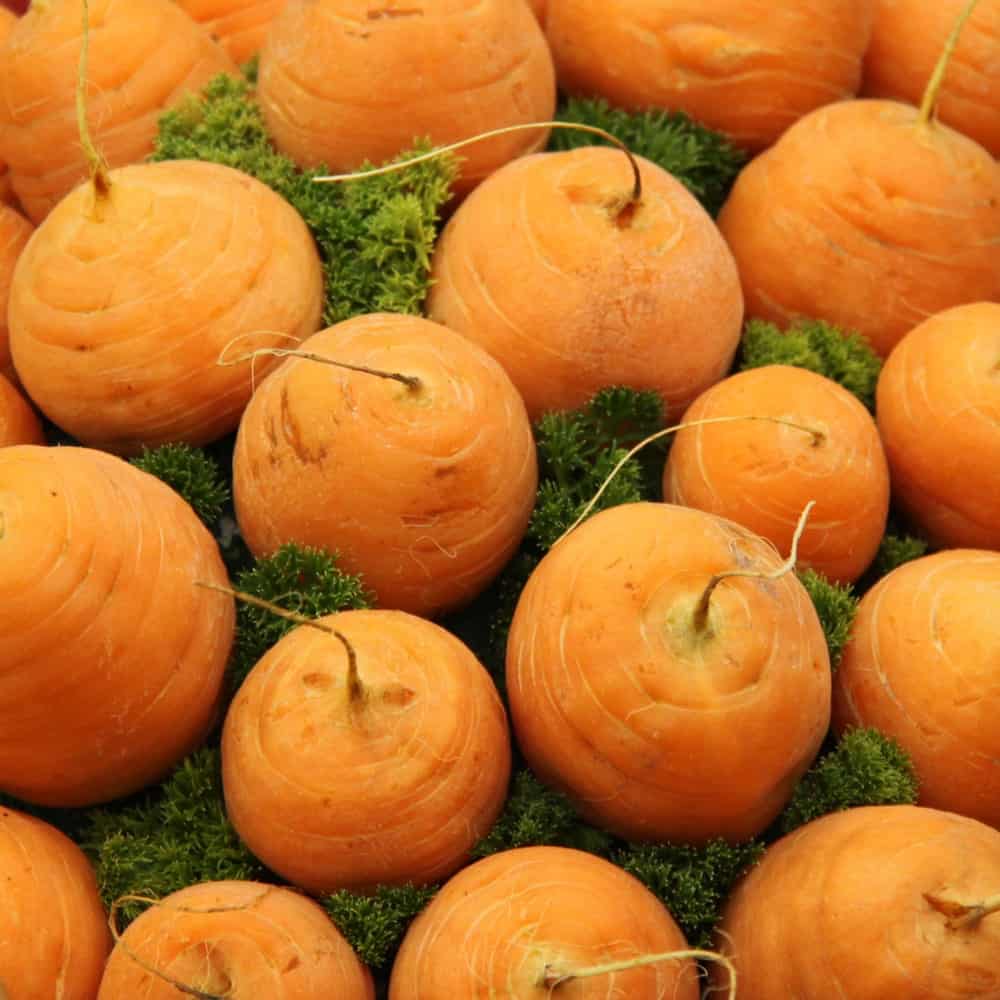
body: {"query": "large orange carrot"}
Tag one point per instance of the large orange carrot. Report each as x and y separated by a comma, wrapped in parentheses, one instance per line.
(540, 923)
(938, 406)
(111, 658)
(735, 65)
(573, 280)
(146, 54)
(920, 667)
(870, 903)
(425, 488)
(124, 299)
(369, 748)
(761, 474)
(669, 696)
(870, 214)
(234, 939)
(53, 929)
(344, 82)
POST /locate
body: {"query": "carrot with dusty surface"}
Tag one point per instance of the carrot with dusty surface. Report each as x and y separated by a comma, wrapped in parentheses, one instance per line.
(420, 471)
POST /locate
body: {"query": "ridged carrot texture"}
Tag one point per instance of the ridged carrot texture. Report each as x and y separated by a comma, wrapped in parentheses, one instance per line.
(425, 488)
(572, 283)
(375, 752)
(19, 424)
(870, 903)
(54, 936)
(869, 214)
(907, 38)
(240, 26)
(145, 55)
(938, 407)
(111, 658)
(123, 301)
(732, 65)
(762, 473)
(668, 700)
(236, 940)
(920, 667)
(15, 231)
(348, 81)
(520, 923)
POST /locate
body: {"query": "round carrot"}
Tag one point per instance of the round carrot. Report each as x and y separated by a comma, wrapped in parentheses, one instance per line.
(425, 489)
(146, 55)
(520, 923)
(920, 667)
(111, 658)
(895, 219)
(740, 69)
(53, 930)
(668, 700)
(870, 903)
(240, 26)
(122, 302)
(7, 21)
(15, 230)
(572, 283)
(368, 749)
(762, 474)
(19, 423)
(342, 83)
(234, 939)
(938, 406)
(907, 38)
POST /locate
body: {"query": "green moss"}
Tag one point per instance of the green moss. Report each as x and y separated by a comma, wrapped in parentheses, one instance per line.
(703, 160)
(298, 578)
(192, 473)
(866, 768)
(167, 839)
(374, 925)
(375, 236)
(843, 357)
(896, 549)
(836, 606)
(533, 816)
(692, 882)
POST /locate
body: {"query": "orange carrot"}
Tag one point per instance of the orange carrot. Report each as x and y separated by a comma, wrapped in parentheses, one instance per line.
(122, 302)
(239, 25)
(53, 931)
(739, 68)
(424, 488)
(870, 903)
(545, 922)
(920, 667)
(896, 218)
(146, 55)
(908, 36)
(234, 939)
(368, 748)
(762, 474)
(342, 83)
(669, 698)
(572, 281)
(938, 405)
(7, 21)
(111, 659)
(19, 423)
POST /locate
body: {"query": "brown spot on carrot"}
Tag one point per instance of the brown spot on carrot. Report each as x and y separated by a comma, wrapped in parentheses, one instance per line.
(393, 12)
(317, 680)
